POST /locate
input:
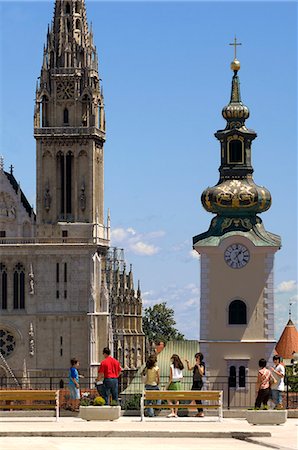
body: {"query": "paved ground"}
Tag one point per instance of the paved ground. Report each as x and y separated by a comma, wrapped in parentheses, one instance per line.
(166, 434)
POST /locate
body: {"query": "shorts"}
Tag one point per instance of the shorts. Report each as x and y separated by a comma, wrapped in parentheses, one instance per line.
(175, 386)
(74, 392)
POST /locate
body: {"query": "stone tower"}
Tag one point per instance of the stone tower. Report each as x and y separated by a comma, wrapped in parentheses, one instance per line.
(54, 302)
(69, 128)
(237, 257)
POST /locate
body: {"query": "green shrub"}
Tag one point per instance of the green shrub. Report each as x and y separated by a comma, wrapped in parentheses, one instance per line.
(98, 401)
(132, 402)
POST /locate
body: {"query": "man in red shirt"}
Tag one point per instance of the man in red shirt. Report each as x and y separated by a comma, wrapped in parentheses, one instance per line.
(109, 371)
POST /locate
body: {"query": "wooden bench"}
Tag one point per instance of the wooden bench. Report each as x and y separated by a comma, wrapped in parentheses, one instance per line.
(26, 399)
(214, 399)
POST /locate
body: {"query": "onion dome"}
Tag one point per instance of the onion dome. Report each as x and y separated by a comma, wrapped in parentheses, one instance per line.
(237, 198)
(235, 110)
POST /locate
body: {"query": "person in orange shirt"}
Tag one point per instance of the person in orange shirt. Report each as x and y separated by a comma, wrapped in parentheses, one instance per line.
(109, 371)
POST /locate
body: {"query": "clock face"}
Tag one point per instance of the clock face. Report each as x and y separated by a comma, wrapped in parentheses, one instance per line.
(236, 256)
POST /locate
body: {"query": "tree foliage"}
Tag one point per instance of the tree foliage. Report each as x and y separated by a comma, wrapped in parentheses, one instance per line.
(158, 324)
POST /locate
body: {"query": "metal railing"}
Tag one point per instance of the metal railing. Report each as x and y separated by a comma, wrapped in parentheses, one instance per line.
(131, 388)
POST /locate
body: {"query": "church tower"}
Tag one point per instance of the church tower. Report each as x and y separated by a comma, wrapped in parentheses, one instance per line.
(69, 128)
(237, 256)
(54, 300)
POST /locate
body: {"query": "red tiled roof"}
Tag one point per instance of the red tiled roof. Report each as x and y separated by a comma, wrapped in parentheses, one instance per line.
(288, 341)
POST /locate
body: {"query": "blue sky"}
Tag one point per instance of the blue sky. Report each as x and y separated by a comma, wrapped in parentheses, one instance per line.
(166, 77)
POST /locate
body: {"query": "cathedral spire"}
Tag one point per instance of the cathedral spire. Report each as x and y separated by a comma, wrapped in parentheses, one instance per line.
(69, 114)
(70, 35)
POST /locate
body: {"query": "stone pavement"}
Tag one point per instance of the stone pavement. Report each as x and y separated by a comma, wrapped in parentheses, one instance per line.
(16, 432)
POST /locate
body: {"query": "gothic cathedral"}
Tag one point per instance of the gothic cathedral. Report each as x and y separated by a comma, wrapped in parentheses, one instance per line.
(55, 300)
(237, 257)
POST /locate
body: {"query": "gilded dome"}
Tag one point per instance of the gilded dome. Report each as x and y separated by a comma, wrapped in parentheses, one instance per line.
(235, 111)
(237, 197)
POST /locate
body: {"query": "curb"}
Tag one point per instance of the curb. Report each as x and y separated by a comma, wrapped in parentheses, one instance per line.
(149, 434)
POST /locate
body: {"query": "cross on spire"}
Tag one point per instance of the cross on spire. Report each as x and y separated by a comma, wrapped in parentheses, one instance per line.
(290, 309)
(235, 43)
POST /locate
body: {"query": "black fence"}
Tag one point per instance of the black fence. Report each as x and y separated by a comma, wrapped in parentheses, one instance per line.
(130, 388)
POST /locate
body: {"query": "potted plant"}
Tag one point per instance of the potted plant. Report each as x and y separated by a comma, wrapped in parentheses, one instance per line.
(95, 408)
(266, 416)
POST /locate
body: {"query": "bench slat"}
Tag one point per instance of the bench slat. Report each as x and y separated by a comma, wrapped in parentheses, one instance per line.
(181, 395)
(213, 397)
(194, 407)
(48, 406)
(29, 396)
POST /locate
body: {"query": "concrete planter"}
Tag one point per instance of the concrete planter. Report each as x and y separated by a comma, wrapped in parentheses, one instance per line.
(266, 417)
(100, 412)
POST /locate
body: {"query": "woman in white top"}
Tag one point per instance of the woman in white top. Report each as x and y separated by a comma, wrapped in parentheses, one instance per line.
(175, 379)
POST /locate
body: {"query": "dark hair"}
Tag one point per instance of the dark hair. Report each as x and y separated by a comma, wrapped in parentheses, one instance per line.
(151, 361)
(262, 363)
(199, 355)
(177, 362)
(73, 361)
(276, 357)
(106, 351)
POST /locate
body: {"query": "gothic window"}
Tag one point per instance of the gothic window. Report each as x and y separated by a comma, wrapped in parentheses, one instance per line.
(65, 272)
(78, 24)
(57, 273)
(44, 111)
(237, 313)
(232, 376)
(3, 286)
(85, 110)
(7, 342)
(69, 159)
(65, 172)
(67, 8)
(65, 116)
(235, 151)
(77, 6)
(19, 287)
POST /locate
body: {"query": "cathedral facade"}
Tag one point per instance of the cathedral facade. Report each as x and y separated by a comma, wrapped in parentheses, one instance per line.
(54, 298)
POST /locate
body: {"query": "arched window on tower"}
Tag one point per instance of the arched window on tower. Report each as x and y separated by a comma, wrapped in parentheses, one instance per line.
(232, 376)
(44, 111)
(85, 111)
(65, 177)
(65, 116)
(19, 287)
(77, 6)
(67, 8)
(237, 313)
(235, 152)
(242, 376)
(3, 286)
(78, 24)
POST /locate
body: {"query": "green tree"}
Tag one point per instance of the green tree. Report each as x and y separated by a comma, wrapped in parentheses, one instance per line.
(158, 324)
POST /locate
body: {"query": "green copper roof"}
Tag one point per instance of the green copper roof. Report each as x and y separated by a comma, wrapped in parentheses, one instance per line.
(223, 227)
